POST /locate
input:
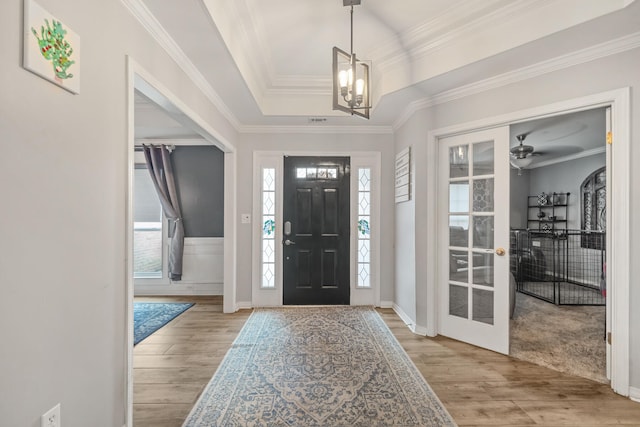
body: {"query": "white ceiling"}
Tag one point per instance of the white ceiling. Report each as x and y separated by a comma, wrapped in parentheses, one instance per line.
(561, 138)
(269, 62)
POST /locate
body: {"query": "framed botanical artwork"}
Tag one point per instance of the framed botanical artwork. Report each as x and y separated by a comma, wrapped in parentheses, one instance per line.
(51, 49)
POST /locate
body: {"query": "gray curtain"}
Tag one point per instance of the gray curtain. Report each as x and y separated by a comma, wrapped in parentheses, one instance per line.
(159, 165)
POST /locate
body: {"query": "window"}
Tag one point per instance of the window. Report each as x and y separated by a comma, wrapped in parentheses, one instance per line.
(147, 227)
(594, 209)
(364, 228)
(268, 228)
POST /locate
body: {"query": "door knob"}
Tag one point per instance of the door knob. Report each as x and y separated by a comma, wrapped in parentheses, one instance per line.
(500, 251)
(289, 242)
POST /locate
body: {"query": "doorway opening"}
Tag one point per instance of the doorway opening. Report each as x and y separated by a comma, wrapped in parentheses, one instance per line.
(558, 225)
(143, 87)
(618, 220)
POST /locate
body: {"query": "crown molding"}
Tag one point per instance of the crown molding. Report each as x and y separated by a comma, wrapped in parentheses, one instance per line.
(378, 130)
(572, 59)
(436, 34)
(592, 53)
(580, 155)
(240, 31)
(410, 110)
(149, 22)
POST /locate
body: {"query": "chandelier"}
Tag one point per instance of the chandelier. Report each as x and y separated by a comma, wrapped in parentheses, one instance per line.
(351, 90)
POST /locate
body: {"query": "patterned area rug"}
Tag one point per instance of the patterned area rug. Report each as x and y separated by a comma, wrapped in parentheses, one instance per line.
(148, 317)
(317, 366)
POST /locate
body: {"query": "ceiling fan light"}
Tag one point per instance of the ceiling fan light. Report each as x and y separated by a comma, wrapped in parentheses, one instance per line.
(521, 162)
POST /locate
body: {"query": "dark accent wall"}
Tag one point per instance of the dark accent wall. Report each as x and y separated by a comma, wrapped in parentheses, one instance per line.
(199, 174)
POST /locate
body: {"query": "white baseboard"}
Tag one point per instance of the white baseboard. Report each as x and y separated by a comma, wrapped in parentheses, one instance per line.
(386, 304)
(178, 288)
(420, 330)
(634, 394)
(411, 324)
(241, 305)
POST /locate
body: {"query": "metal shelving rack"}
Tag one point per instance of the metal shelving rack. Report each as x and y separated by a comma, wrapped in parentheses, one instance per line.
(548, 212)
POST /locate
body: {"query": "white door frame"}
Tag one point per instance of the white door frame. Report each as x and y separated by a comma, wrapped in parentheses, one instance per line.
(618, 215)
(140, 79)
(261, 297)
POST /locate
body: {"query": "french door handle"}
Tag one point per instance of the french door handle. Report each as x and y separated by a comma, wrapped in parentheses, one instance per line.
(289, 242)
(500, 251)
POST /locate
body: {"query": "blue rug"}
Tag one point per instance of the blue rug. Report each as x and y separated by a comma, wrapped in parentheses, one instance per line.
(148, 317)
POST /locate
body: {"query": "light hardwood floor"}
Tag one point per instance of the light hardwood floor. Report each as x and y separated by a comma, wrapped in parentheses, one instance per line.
(478, 387)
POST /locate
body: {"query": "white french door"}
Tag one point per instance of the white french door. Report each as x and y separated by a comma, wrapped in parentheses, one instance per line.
(473, 238)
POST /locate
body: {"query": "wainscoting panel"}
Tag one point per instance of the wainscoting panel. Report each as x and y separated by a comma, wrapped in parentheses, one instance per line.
(202, 270)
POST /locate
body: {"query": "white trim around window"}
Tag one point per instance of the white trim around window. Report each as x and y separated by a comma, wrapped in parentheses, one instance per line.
(266, 296)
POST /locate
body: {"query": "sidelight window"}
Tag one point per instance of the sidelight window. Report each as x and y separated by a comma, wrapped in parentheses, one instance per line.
(364, 228)
(268, 227)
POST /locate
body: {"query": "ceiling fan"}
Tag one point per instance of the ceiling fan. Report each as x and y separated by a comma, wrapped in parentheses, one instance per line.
(522, 155)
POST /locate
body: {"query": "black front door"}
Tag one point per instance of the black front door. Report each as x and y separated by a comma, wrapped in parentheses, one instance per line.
(316, 230)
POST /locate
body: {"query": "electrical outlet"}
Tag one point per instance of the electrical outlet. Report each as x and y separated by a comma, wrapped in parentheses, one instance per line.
(51, 418)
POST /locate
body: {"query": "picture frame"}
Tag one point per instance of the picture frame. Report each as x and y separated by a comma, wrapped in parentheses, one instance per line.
(51, 49)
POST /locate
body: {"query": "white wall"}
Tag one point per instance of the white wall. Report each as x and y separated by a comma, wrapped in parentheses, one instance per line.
(597, 76)
(314, 143)
(63, 253)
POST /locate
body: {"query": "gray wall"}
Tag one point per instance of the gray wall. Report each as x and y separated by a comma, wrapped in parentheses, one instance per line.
(596, 76)
(63, 251)
(518, 189)
(566, 177)
(199, 172)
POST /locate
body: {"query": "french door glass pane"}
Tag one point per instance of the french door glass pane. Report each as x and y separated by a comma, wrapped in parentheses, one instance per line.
(459, 266)
(483, 269)
(483, 195)
(483, 158)
(483, 306)
(459, 197)
(459, 230)
(483, 232)
(459, 161)
(459, 301)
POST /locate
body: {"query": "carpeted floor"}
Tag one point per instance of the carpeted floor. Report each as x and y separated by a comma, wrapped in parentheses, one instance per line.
(148, 317)
(317, 366)
(568, 339)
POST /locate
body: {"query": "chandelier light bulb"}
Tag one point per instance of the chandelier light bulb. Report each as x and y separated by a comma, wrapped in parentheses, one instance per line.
(359, 87)
(343, 77)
